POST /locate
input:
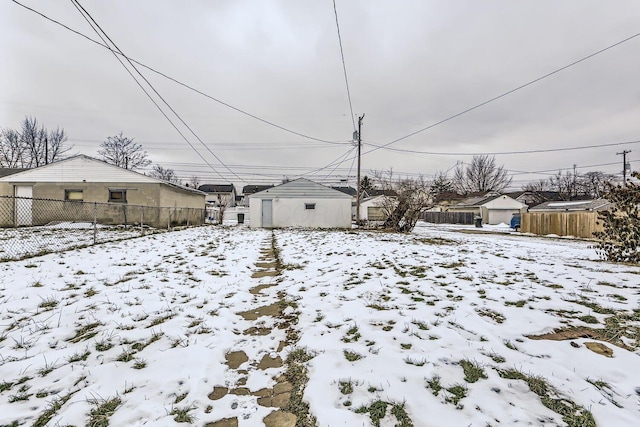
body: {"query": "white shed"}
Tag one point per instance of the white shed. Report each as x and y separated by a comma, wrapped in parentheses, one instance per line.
(300, 203)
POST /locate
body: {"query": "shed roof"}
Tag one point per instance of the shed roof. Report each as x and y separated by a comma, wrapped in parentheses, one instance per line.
(478, 200)
(299, 189)
(574, 205)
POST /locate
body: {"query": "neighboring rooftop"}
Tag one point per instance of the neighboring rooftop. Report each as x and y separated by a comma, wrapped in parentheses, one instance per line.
(217, 188)
(574, 205)
(10, 171)
(252, 189)
(347, 190)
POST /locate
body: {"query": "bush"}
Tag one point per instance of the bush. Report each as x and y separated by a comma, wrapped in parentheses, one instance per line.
(620, 239)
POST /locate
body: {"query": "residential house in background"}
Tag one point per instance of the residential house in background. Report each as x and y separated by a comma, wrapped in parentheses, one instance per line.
(492, 208)
(248, 190)
(219, 194)
(85, 179)
(573, 206)
(300, 203)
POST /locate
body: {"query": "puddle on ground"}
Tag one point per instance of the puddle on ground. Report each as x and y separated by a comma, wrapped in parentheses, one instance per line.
(269, 362)
(218, 393)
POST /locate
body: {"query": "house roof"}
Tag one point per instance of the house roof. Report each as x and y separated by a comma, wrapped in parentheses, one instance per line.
(573, 205)
(346, 190)
(478, 200)
(10, 171)
(373, 192)
(85, 169)
(252, 189)
(217, 188)
(301, 188)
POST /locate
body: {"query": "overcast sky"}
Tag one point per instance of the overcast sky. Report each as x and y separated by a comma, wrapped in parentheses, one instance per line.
(410, 64)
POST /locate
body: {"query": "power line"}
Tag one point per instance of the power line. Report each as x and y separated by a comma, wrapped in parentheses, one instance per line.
(497, 153)
(344, 66)
(87, 16)
(153, 70)
(495, 98)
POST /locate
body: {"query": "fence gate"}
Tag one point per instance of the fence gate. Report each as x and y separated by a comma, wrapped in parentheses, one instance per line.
(24, 205)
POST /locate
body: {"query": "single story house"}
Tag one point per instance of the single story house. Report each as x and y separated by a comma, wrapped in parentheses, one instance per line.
(373, 208)
(124, 196)
(492, 208)
(219, 195)
(300, 203)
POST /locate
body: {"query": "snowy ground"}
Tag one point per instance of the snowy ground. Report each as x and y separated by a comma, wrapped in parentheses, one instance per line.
(425, 329)
(18, 243)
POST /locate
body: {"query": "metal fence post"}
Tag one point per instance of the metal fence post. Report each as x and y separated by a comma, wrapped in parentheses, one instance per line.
(141, 220)
(95, 222)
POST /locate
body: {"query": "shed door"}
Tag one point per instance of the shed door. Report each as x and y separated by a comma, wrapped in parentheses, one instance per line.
(497, 216)
(24, 211)
(267, 213)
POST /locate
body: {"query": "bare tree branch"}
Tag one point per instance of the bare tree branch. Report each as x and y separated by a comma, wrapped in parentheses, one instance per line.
(123, 152)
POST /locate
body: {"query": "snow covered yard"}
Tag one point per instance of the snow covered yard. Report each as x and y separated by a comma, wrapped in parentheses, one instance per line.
(225, 326)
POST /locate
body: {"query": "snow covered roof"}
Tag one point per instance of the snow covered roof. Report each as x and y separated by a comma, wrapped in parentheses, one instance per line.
(85, 169)
(574, 205)
(301, 188)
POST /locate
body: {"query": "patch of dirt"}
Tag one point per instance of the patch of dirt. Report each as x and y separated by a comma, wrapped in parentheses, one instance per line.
(574, 333)
(218, 393)
(226, 422)
(280, 419)
(269, 362)
(256, 331)
(236, 358)
(241, 391)
(272, 310)
(264, 273)
(278, 401)
(256, 289)
(266, 265)
(599, 348)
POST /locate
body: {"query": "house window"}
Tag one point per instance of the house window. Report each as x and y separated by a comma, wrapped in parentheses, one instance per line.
(73, 195)
(309, 205)
(118, 196)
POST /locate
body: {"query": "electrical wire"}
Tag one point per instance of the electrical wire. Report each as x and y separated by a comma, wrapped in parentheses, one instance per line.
(344, 66)
(153, 70)
(87, 16)
(497, 153)
(495, 98)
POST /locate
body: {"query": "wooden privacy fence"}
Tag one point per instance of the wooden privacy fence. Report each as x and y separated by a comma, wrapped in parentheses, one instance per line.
(448, 217)
(577, 224)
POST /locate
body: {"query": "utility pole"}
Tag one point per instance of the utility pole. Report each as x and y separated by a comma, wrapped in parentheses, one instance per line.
(624, 165)
(359, 185)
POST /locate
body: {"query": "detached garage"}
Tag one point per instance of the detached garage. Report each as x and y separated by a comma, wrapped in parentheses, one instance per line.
(493, 208)
(300, 203)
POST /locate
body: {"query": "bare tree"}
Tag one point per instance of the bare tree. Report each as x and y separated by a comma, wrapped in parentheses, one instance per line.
(123, 152)
(482, 175)
(537, 186)
(31, 146)
(166, 174)
(193, 181)
(595, 184)
(441, 184)
(11, 149)
(412, 197)
(565, 185)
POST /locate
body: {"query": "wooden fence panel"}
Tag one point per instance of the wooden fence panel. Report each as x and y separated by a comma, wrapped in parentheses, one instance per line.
(448, 217)
(577, 224)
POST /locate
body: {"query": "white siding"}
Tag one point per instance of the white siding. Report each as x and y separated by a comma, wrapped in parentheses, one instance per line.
(332, 208)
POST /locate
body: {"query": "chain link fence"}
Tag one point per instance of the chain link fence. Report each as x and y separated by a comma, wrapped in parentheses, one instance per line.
(30, 227)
